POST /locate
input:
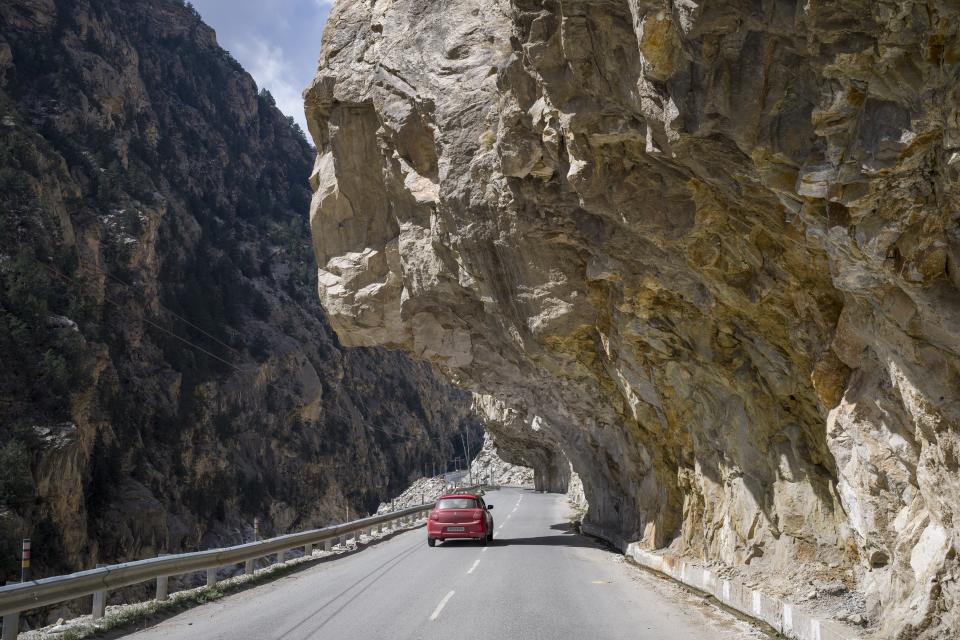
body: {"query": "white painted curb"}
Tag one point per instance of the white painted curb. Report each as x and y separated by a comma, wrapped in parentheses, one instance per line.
(784, 617)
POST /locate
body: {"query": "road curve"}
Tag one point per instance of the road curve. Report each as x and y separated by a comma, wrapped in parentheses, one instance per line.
(538, 580)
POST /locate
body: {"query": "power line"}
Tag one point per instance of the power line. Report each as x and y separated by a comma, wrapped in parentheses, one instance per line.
(161, 305)
(91, 268)
(76, 283)
(160, 328)
(84, 267)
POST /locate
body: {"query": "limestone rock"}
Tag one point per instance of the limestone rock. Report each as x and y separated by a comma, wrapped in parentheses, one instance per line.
(711, 246)
(489, 467)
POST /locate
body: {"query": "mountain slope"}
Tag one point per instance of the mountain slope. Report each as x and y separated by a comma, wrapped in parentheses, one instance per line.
(167, 374)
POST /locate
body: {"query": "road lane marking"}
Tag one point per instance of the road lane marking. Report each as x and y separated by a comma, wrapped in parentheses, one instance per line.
(475, 563)
(485, 548)
(443, 603)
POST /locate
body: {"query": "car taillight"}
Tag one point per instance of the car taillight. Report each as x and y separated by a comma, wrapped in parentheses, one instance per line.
(479, 514)
(434, 515)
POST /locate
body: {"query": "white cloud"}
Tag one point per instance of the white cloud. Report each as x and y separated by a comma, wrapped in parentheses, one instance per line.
(271, 68)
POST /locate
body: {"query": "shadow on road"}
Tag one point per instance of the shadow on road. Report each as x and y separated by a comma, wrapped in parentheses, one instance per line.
(569, 538)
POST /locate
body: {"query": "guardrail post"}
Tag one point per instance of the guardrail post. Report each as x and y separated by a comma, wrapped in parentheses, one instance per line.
(162, 584)
(11, 626)
(99, 602)
(248, 567)
(308, 549)
(280, 555)
(328, 545)
(212, 577)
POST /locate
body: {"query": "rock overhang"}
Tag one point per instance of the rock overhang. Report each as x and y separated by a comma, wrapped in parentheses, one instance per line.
(696, 241)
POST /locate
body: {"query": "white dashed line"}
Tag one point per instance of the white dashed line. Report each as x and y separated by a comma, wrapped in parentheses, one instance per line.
(485, 548)
(443, 603)
(475, 563)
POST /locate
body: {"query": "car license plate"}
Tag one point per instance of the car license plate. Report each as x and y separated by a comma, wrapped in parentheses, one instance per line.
(455, 529)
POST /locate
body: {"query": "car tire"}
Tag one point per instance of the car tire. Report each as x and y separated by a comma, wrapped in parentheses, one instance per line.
(485, 540)
(431, 542)
(490, 536)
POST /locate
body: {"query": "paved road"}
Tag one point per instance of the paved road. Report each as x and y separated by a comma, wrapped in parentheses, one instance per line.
(537, 581)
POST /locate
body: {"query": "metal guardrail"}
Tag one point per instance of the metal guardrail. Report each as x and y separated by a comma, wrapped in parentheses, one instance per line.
(15, 598)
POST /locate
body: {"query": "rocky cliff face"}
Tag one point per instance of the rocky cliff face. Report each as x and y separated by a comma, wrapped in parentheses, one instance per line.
(712, 246)
(489, 467)
(167, 372)
(521, 438)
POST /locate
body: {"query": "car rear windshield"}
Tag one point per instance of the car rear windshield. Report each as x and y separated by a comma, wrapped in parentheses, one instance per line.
(457, 503)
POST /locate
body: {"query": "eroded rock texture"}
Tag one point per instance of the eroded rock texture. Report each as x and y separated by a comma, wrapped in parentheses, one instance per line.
(521, 439)
(489, 467)
(711, 246)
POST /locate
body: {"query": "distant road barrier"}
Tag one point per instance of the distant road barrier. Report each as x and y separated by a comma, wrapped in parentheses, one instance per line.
(19, 597)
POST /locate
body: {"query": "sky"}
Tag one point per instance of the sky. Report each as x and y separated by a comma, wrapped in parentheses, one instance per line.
(276, 41)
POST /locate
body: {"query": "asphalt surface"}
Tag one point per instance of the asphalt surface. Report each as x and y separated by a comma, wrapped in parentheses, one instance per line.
(538, 580)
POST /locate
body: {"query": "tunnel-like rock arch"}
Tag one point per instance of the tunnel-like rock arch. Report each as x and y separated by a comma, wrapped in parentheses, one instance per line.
(711, 247)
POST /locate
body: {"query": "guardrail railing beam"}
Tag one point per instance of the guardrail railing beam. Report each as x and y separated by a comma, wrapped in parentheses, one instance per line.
(19, 597)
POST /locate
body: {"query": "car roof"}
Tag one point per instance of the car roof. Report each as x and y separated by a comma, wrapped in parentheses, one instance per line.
(458, 495)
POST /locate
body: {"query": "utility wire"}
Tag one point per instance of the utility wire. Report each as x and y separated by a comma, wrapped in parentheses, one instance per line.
(130, 287)
(86, 267)
(91, 268)
(161, 328)
(77, 284)
(74, 282)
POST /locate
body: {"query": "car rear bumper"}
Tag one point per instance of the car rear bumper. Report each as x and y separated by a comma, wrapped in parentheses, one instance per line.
(441, 530)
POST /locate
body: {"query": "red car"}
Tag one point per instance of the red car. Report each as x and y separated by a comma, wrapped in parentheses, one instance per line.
(460, 516)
